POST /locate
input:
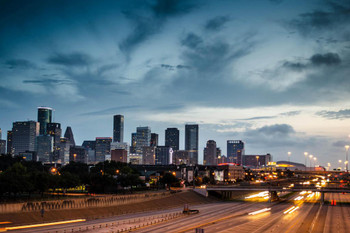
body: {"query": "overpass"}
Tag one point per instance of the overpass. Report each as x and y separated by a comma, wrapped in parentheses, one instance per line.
(227, 190)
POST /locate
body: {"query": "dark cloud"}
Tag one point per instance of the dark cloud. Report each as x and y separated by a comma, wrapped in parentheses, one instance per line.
(19, 64)
(150, 23)
(45, 82)
(337, 15)
(276, 130)
(341, 114)
(340, 144)
(170, 67)
(295, 66)
(166, 8)
(325, 59)
(258, 118)
(73, 59)
(113, 110)
(216, 23)
(191, 40)
(291, 113)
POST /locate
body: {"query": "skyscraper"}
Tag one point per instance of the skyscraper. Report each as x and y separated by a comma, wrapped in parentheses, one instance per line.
(172, 138)
(69, 135)
(54, 130)
(102, 148)
(2, 144)
(143, 138)
(210, 153)
(118, 128)
(9, 142)
(191, 142)
(235, 150)
(163, 155)
(44, 117)
(23, 136)
(133, 143)
(154, 139)
(44, 148)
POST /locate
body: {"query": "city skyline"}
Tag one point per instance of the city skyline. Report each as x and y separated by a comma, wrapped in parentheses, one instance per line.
(270, 73)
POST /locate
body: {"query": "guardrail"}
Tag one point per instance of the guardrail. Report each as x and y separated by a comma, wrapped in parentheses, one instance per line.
(123, 225)
(80, 203)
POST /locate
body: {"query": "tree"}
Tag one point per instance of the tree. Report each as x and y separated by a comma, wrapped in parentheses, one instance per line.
(168, 179)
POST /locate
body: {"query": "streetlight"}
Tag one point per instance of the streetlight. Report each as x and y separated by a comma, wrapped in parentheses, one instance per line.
(329, 166)
(289, 153)
(305, 153)
(346, 157)
(315, 163)
(339, 163)
(257, 161)
(310, 156)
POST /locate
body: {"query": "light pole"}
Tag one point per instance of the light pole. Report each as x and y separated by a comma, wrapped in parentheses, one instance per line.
(315, 163)
(310, 156)
(329, 166)
(257, 162)
(305, 153)
(339, 164)
(346, 157)
(289, 153)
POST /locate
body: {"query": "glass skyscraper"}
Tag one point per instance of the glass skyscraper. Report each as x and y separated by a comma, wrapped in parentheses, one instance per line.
(172, 138)
(44, 117)
(191, 142)
(118, 128)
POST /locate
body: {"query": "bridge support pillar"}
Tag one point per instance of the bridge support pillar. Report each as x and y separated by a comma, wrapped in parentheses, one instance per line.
(322, 197)
(273, 196)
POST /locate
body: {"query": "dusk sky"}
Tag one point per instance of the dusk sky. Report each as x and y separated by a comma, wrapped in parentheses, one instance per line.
(273, 73)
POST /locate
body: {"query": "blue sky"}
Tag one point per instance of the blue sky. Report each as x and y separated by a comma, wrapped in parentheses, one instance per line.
(274, 74)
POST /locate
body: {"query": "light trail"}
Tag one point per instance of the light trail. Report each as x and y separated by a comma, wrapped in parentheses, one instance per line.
(45, 224)
(260, 211)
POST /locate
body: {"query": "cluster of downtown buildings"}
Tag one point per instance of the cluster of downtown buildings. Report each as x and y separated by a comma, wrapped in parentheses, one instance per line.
(42, 141)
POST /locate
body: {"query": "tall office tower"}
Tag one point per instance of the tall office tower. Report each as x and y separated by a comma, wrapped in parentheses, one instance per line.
(118, 128)
(2, 144)
(69, 135)
(23, 136)
(154, 139)
(54, 130)
(78, 154)
(44, 148)
(90, 148)
(143, 138)
(172, 138)
(210, 153)
(191, 142)
(44, 117)
(2, 147)
(64, 148)
(163, 155)
(102, 148)
(235, 150)
(149, 155)
(133, 143)
(9, 142)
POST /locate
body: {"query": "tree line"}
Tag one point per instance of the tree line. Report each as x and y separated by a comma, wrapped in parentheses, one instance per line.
(19, 177)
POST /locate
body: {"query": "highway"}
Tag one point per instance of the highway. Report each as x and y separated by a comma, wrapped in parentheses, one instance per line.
(300, 213)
